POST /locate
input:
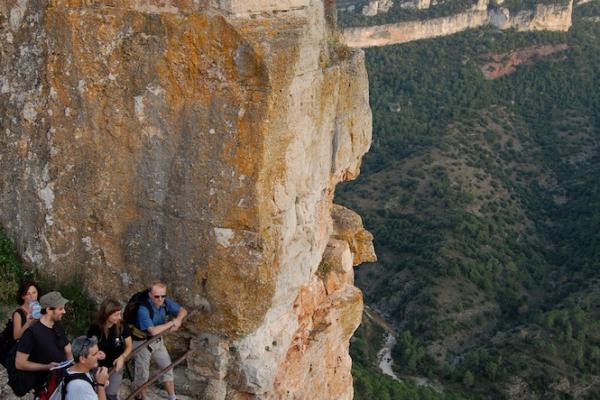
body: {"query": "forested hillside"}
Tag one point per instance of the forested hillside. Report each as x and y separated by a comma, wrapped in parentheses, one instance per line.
(484, 199)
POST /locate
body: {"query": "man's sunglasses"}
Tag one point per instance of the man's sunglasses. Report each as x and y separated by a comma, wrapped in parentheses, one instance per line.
(160, 296)
(87, 344)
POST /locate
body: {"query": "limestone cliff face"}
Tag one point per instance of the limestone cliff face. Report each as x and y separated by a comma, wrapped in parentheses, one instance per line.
(554, 17)
(375, 7)
(198, 142)
(402, 32)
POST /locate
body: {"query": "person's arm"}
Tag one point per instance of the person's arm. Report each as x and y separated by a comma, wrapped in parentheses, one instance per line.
(22, 363)
(158, 329)
(101, 380)
(68, 352)
(19, 326)
(146, 323)
(101, 391)
(178, 320)
(120, 361)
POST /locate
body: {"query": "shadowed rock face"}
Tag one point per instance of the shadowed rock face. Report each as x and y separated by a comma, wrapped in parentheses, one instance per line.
(197, 142)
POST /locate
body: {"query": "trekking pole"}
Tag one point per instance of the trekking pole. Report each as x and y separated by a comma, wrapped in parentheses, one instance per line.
(158, 375)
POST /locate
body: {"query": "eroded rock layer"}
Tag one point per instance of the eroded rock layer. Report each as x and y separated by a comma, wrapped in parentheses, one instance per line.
(197, 142)
(408, 31)
(553, 17)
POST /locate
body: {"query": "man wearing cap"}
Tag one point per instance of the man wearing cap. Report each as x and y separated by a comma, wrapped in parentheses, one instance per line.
(80, 384)
(44, 345)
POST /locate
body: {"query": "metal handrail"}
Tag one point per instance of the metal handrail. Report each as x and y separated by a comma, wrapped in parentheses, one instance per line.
(158, 375)
(139, 348)
(146, 343)
(155, 338)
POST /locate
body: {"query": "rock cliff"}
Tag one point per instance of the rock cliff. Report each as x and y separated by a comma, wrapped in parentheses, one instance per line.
(375, 7)
(555, 17)
(402, 32)
(198, 142)
(552, 17)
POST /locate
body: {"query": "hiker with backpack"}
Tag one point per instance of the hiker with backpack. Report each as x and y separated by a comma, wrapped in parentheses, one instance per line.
(43, 346)
(79, 383)
(114, 339)
(152, 311)
(22, 318)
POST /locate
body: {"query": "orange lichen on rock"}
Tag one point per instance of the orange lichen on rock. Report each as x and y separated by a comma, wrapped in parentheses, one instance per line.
(198, 143)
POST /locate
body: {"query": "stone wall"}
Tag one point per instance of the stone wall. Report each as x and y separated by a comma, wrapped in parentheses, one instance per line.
(197, 142)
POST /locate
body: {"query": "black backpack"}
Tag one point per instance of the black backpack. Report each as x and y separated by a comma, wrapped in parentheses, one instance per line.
(71, 377)
(21, 382)
(7, 341)
(140, 299)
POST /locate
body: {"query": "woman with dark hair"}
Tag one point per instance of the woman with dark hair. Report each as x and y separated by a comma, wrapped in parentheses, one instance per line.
(27, 313)
(114, 339)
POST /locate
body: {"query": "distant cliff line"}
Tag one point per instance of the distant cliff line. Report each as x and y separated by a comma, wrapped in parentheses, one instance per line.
(554, 17)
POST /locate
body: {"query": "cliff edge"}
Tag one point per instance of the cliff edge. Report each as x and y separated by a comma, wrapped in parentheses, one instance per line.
(554, 17)
(198, 142)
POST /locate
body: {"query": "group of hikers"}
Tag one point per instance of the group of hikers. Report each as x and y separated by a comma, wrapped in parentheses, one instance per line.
(91, 366)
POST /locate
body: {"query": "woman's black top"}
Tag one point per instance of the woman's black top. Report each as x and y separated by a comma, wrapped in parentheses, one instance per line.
(113, 345)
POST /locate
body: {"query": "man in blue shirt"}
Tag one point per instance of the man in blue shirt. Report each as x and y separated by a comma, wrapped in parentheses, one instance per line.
(155, 324)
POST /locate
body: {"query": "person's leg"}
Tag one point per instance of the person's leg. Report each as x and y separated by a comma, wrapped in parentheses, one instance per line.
(142, 367)
(161, 357)
(114, 384)
(170, 388)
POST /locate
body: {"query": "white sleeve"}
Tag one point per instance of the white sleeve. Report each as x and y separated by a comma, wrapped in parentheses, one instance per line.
(78, 389)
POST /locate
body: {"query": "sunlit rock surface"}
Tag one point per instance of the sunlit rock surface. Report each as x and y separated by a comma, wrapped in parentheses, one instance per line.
(408, 31)
(552, 17)
(198, 142)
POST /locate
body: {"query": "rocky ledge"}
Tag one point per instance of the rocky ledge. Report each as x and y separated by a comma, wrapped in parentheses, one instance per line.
(554, 17)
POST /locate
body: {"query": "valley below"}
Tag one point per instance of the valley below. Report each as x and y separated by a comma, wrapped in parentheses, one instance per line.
(481, 191)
